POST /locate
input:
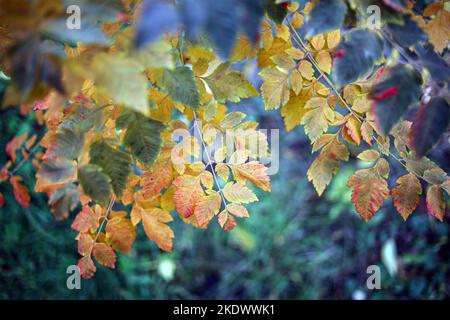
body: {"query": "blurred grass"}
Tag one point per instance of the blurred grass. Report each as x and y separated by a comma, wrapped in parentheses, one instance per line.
(294, 246)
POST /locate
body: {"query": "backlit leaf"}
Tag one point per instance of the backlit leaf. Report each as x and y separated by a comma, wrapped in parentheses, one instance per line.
(407, 194)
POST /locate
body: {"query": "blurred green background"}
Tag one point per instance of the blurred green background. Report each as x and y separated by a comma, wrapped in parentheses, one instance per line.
(294, 246)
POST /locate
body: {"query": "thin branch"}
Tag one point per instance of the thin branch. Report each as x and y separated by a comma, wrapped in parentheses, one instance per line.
(216, 180)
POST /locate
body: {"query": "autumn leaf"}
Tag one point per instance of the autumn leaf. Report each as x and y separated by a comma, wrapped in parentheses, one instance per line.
(407, 194)
(229, 85)
(86, 267)
(87, 219)
(155, 226)
(104, 255)
(326, 165)
(206, 207)
(14, 145)
(254, 172)
(21, 192)
(187, 191)
(439, 27)
(121, 79)
(120, 234)
(369, 192)
(316, 120)
(238, 193)
(56, 170)
(435, 202)
(275, 89)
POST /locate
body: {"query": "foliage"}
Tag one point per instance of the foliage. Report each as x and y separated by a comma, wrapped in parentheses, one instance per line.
(114, 95)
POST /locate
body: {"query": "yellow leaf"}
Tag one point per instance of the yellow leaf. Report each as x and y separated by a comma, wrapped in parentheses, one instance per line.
(121, 79)
(294, 110)
(318, 42)
(187, 191)
(306, 70)
(120, 234)
(297, 20)
(243, 49)
(155, 226)
(104, 255)
(254, 172)
(238, 193)
(275, 89)
(316, 119)
(324, 61)
(238, 210)
(206, 207)
(333, 39)
(222, 171)
(353, 127)
(296, 81)
(438, 29)
(326, 165)
(369, 155)
(265, 55)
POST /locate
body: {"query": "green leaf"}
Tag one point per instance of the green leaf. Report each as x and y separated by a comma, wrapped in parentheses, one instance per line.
(354, 59)
(392, 96)
(67, 143)
(143, 138)
(56, 170)
(116, 164)
(326, 16)
(229, 85)
(121, 79)
(181, 86)
(432, 120)
(95, 183)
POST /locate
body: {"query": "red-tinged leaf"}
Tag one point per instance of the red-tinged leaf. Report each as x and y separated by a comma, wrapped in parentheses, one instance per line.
(86, 267)
(14, 145)
(321, 171)
(369, 192)
(253, 171)
(86, 220)
(160, 177)
(2, 200)
(187, 191)
(85, 244)
(21, 192)
(206, 208)
(155, 226)
(407, 194)
(435, 202)
(432, 120)
(104, 255)
(386, 93)
(392, 96)
(238, 210)
(226, 221)
(121, 233)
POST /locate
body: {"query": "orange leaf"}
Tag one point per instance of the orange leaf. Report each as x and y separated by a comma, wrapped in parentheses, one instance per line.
(104, 255)
(435, 202)
(156, 229)
(369, 192)
(253, 171)
(206, 208)
(120, 234)
(86, 267)
(14, 145)
(86, 220)
(21, 192)
(85, 244)
(160, 178)
(407, 194)
(227, 221)
(187, 191)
